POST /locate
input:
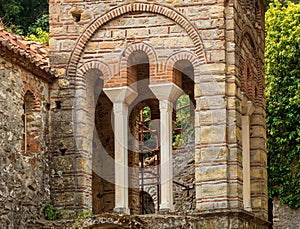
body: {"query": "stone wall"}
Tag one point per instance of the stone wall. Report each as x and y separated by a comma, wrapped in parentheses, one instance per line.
(285, 217)
(217, 38)
(183, 180)
(249, 36)
(184, 173)
(24, 171)
(234, 220)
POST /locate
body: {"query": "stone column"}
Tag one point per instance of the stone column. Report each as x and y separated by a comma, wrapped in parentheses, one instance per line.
(166, 93)
(121, 98)
(247, 110)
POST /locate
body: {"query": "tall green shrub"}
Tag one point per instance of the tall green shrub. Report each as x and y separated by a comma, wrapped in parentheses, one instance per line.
(282, 68)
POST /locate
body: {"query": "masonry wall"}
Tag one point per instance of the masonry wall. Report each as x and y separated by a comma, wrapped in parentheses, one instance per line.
(184, 173)
(24, 174)
(211, 36)
(184, 176)
(285, 217)
(249, 60)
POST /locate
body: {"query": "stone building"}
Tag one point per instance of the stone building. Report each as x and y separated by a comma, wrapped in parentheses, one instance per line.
(24, 129)
(78, 134)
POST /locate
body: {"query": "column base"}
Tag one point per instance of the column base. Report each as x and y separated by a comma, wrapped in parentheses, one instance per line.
(166, 208)
(249, 209)
(122, 211)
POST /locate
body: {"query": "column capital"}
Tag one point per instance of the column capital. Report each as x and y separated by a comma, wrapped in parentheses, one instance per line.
(165, 105)
(120, 94)
(247, 105)
(166, 91)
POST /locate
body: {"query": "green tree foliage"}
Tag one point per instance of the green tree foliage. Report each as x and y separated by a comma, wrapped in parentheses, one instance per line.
(38, 31)
(149, 138)
(9, 9)
(283, 2)
(21, 14)
(282, 68)
(183, 122)
(26, 17)
(39, 36)
(51, 213)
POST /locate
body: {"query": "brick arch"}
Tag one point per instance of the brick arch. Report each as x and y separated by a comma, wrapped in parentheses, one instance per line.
(166, 11)
(99, 65)
(147, 49)
(182, 55)
(31, 141)
(35, 93)
(248, 83)
(247, 32)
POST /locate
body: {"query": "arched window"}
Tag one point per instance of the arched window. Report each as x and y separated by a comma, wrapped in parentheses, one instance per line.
(32, 124)
(185, 105)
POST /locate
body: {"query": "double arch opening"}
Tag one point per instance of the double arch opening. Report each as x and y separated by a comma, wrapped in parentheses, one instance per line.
(186, 65)
(101, 124)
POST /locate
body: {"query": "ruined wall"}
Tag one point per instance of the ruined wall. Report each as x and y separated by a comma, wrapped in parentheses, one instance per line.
(24, 178)
(285, 217)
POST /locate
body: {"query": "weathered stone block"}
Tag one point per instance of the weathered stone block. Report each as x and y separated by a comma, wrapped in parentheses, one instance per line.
(212, 154)
(212, 190)
(212, 134)
(211, 172)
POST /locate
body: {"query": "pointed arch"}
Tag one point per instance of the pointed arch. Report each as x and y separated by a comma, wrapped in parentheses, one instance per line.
(36, 95)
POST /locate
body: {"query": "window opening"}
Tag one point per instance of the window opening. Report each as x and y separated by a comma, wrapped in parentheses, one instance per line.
(31, 124)
(149, 157)
(184, 129)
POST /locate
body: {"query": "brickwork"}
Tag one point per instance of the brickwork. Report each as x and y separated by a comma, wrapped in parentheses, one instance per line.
(221, 43)
(57, 139)
(250, 60)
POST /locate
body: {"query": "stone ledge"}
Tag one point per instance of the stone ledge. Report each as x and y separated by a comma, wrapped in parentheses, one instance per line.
(112, 220)
(208, 220)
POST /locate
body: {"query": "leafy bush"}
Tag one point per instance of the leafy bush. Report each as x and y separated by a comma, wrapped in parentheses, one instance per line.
(183, 122)
(40, 36)
(84, 214)
(51, 213)
(282, 68)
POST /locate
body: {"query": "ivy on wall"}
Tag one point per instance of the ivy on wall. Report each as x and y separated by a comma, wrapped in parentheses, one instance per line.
(282, 68)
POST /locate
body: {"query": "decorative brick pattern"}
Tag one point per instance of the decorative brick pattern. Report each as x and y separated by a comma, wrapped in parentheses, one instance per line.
(126, 8)
(148, 50)
(223, 48)
(99, 65)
